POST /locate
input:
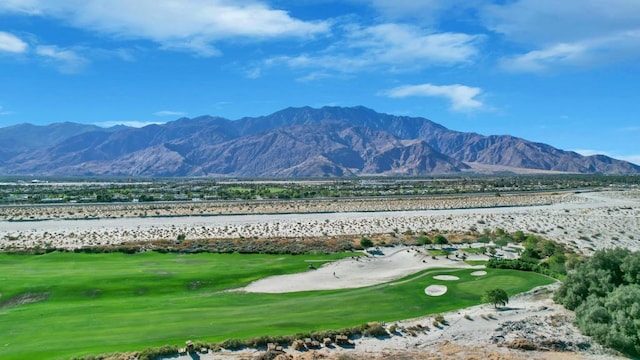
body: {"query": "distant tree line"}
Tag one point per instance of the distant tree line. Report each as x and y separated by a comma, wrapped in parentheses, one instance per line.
(180, 189)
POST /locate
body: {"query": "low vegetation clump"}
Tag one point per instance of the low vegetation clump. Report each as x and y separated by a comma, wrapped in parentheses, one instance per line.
(604, 291)
(540, 255)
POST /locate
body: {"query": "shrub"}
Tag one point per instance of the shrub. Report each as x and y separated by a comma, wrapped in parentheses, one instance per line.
(232, 344)
(366, 242)
(484, 240)
(440, 240)
(604, 292)
(375, 330)
(423, 240)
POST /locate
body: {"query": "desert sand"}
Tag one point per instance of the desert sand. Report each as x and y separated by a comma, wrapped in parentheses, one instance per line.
(585, 222)
(391, 264)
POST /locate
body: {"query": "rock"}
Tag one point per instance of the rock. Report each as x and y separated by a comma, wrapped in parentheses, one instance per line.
(521, 344)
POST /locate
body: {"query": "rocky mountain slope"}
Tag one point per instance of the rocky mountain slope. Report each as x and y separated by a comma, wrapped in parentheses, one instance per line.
(294, 142)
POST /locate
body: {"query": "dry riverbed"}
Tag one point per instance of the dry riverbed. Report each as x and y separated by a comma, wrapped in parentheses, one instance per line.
(585, 222)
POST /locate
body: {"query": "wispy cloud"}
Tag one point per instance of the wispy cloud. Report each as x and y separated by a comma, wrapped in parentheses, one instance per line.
(394, 47)
(461, 97)
(12, 44)
(597, 51)
(190, 25)
(65, 60)
(170, 113)
(581, 33)
(541, 60)
(567, 21)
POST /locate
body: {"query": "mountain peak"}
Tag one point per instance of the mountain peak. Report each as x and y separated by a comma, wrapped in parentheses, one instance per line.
(296, 141)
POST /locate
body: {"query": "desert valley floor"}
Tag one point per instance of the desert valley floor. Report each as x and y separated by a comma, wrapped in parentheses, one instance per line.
(585, 221)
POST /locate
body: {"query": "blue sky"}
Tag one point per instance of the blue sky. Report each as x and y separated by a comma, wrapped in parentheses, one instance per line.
(566, 73)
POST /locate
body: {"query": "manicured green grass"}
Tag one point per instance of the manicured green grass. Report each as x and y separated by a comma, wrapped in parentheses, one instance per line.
(474, 250)
(99, 303)
(438, 252)
(476, 262)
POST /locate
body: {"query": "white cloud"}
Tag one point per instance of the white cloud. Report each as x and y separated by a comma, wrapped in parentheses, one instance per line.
(565, 33)
(30, 7)
(393, 42)
(11, 43)
(542, 60)
(65, 60)
(397, 47)
(170, 113)
(597, 51)
(548, 22)
(462, 98)
(188, 24)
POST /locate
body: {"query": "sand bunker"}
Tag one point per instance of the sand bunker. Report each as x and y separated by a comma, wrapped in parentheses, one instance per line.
(435, 290)
(479, 273)
(446, 277)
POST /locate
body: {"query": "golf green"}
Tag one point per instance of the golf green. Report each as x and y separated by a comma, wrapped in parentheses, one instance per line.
(60, 305)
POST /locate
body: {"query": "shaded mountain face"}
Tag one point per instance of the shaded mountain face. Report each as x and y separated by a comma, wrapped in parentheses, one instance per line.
(23, 137)
(294, 142)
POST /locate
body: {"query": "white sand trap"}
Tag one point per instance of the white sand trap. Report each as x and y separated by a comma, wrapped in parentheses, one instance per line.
(435, 290)
(479, 273)
(395, 263)
(446, 277)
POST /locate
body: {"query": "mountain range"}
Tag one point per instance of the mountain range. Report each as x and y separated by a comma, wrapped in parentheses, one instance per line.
(294, 142)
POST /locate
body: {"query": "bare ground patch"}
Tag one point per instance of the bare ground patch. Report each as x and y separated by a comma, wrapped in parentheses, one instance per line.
(24, 299)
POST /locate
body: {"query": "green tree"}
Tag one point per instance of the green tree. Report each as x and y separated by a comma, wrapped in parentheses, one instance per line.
(613, 320)
(605, 293)
(503, 241)
(631, 268)
(440, 240)
(366, 242)
(423, 240)
(496, 297)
